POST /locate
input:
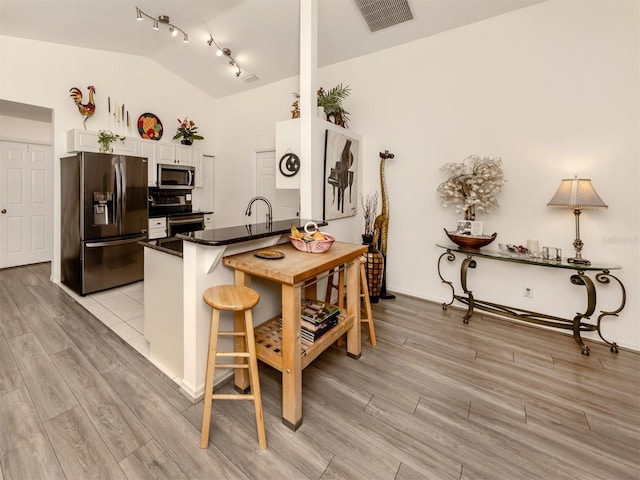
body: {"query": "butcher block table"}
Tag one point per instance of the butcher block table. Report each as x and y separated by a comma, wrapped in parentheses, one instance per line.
(281, 346)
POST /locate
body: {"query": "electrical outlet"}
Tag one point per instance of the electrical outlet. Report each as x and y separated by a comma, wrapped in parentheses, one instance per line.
(527, 292)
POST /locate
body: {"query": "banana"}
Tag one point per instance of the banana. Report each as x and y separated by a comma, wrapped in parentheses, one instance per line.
(295, 232)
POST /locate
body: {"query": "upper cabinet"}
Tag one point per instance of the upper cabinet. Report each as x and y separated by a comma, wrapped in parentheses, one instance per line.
(172, 153)
(184, 154)
(87, 141)
(156, 152)
(149, 149)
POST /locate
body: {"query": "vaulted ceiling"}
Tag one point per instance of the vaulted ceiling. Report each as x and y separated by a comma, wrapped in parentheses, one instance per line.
(263, 35)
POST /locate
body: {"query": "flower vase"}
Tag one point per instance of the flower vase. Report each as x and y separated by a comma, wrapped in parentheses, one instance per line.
(186, 141)
(374, 268)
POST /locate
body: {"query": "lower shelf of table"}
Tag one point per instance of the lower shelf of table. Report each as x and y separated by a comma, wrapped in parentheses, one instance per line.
(269, 341)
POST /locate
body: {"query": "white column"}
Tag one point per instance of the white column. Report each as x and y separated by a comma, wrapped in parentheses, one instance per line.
(309, 143)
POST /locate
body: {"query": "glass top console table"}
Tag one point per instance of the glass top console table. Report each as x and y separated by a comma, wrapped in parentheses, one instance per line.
(578, 276)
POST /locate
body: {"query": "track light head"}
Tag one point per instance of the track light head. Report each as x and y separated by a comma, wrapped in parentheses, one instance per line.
(163, 19)
(220, 51)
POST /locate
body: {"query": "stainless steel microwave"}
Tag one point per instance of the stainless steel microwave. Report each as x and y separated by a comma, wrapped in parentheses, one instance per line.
(176, 176)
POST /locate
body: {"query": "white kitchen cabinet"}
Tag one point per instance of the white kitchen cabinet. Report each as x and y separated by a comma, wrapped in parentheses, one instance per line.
(149, 149)
(208, 221)
(174, 154)
(157, 227)
(155, 151)
(87, 141)
(166, 153)
(184, 154)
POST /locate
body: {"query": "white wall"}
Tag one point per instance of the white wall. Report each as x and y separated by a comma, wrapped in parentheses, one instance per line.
(40, 73)
(552, 89)
(22, 130)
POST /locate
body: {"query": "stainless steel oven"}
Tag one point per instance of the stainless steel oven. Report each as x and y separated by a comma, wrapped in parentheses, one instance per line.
(168, 202)
(181, 223)
(176, 176)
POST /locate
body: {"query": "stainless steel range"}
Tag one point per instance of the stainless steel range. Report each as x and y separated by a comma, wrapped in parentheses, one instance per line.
(175, 206)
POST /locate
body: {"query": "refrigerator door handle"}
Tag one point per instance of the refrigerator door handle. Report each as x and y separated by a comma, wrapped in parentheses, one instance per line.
(114, 242)
(123, 178)
(118, 188)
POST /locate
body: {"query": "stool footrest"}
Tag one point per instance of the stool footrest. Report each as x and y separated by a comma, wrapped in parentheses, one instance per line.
(231, 365)
(232, 334)
(232, 396)
(233, 354)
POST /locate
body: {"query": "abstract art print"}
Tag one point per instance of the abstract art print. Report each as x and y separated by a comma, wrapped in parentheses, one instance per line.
(341, 154)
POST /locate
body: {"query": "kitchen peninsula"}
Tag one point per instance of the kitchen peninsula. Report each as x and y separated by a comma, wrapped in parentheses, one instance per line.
(176, 322)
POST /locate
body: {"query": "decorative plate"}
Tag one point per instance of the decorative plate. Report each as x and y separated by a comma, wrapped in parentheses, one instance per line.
(269, 254)
(150, 126)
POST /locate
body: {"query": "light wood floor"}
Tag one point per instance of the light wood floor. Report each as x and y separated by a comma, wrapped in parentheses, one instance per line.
(435, 399)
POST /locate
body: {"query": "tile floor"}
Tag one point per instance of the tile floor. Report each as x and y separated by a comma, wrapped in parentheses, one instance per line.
(122, 310)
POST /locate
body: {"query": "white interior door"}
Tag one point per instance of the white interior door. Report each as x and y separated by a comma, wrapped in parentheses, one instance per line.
(26, 204)
(285, 203)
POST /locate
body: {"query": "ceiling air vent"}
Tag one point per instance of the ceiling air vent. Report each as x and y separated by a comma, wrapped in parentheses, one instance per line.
(249, 78)
(381, 14)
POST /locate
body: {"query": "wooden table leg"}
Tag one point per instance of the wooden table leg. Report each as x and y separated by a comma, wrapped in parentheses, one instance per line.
(241, 379)
(291, 357)
(354, 347)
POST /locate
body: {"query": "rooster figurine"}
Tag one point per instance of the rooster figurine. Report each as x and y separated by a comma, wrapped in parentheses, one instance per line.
(88, 109)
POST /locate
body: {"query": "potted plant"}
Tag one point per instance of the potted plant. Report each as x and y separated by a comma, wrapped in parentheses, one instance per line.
(473, 186)
(369, 210)
(188, 131)
(105, 138)
(331, 103)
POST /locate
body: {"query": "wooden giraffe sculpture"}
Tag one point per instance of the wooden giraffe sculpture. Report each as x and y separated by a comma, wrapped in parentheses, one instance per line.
(381, 225)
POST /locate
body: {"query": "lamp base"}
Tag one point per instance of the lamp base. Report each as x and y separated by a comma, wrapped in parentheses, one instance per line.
(579, 261)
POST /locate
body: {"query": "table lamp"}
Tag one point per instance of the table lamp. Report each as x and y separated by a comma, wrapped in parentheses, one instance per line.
(578, 194)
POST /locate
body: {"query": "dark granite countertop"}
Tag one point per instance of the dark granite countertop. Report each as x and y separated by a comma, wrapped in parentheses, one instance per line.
(242, 233)
(170, 245)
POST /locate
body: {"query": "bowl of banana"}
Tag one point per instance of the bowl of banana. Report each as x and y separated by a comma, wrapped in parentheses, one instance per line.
(312, 240)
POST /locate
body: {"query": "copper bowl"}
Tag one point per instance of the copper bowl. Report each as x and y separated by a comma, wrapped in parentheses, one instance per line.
(471, 242)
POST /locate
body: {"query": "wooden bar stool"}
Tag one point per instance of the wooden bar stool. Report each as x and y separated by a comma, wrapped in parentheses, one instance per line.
(366, 315)
(235, 299)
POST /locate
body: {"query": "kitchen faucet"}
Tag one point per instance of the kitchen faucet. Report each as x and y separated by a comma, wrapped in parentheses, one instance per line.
(269, 211)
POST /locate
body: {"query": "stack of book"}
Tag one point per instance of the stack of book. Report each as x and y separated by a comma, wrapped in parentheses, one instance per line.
(317, 319)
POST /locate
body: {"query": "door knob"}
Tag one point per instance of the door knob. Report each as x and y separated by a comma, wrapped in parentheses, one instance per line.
(4, 210)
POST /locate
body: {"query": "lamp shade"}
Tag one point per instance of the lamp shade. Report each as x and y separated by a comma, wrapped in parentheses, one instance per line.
(576, 193)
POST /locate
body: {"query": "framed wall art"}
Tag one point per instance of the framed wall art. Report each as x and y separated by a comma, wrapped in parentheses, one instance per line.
(341, 156)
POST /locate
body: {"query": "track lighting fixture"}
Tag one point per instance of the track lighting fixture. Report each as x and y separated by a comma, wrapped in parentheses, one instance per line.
(227, 53)
(162, 19)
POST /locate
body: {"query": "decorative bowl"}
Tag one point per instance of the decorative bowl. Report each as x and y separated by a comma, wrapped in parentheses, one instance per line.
(315, 246)
(469, 241)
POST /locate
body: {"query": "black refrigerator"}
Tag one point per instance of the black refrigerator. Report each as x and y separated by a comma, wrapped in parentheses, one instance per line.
(104, 216)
